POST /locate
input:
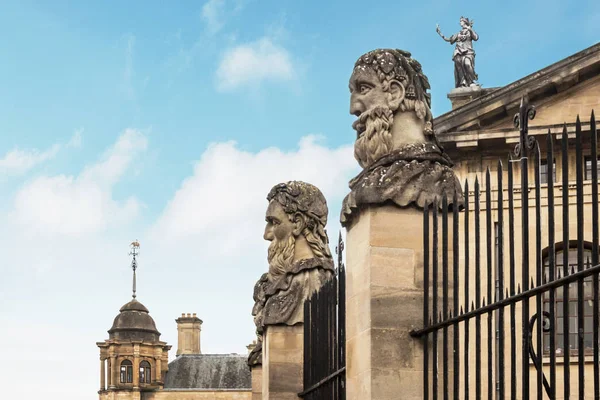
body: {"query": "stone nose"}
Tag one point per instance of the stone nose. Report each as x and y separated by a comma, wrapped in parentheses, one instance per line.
(356, 107)
(268, 235)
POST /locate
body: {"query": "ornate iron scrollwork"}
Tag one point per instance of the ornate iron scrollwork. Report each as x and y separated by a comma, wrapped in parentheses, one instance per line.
(547, 326)
(521, 122)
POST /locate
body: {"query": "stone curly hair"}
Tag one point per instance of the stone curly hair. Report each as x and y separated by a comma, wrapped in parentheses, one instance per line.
(396, 64)
(301, 197)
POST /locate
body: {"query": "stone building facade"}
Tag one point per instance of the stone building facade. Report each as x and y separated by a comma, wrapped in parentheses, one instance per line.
(134, 363)
(479, 131)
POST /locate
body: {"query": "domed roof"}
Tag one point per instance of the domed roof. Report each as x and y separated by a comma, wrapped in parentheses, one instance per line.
(134, 323)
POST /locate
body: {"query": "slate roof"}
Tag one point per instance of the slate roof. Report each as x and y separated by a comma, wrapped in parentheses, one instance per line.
(209, 371)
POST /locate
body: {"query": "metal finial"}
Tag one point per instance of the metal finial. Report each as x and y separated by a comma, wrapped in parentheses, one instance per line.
(135, 246)
(521, 121)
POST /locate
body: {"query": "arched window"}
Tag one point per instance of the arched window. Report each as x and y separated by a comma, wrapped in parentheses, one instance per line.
(559, 331)
(126, 371)
(145, 372)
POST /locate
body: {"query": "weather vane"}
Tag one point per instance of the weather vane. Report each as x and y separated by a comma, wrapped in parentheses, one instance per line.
(135, 248)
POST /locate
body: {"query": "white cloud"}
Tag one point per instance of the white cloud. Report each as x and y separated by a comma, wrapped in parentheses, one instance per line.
(229, 186)
(83, 204)
(251, 64)
(17, 162)
(212, 15)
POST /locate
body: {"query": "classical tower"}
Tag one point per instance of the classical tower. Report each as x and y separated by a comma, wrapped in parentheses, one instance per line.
(133, 359)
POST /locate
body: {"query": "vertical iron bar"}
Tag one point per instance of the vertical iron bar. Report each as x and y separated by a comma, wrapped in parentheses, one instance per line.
(435, 287)
(538, 265)
(596, 316)
(426, 301)
(565, 217)
(525, 272)
(580, 225)
(511, 241)
(477, 292)
(445, 294)
(467, 277)
(455, 294)
(500, 327)
(488, 215)
(551, 265)
(342, 330)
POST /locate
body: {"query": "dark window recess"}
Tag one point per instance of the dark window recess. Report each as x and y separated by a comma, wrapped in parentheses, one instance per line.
(588, 167)
(126, 372)
(544, 171)
(572, 305)
(145, 369)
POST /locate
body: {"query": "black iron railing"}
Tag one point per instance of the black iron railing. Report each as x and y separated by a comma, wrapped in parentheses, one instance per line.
(535, 296)
(325, 338)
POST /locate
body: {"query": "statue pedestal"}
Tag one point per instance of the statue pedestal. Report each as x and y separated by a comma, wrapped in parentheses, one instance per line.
(256, 382)
(283, 360)
(384, 302)
(463, 95)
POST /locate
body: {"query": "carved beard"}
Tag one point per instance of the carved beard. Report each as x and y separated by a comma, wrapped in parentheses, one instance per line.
(374, 137)
(281, 256)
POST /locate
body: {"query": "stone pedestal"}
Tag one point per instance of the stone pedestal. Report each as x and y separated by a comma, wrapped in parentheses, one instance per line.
(283, 355)
(257, 377)
(384, 300)
(463, 95)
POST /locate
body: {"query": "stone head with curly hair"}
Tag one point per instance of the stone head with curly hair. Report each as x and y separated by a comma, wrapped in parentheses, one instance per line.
(389, 95)
(296, 219)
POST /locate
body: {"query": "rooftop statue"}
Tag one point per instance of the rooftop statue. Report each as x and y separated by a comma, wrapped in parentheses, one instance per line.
(464, 55)
(299, 258)
(401, 158)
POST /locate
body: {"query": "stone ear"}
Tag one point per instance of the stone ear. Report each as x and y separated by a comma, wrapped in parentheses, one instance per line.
(299, 224)
(396, 94)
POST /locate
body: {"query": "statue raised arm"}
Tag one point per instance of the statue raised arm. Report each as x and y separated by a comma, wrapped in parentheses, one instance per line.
(464, 54)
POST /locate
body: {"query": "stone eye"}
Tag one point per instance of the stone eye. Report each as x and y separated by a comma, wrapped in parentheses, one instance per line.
(364, 89)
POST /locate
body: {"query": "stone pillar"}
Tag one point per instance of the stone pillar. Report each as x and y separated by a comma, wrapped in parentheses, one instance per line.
(136, 366)
(384, 302)
(102, 374)
(158, 370)
(257, 382)
(282, 369)
(112, 372)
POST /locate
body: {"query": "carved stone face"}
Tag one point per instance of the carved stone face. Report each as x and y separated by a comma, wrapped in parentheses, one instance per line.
(366, 91)
(279, 227)
(375, 109)
(280, 232)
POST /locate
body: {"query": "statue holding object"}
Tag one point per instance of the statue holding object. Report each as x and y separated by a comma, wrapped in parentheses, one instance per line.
(464, 54)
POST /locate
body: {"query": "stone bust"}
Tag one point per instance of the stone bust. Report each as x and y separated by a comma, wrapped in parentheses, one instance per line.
(401, 158)
(299, 257)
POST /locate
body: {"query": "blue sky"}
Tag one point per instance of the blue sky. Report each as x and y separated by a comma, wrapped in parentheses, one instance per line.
(168, 122)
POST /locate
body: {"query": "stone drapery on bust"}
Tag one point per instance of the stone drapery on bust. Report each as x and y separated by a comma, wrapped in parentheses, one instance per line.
(299, 258)
(401, 158)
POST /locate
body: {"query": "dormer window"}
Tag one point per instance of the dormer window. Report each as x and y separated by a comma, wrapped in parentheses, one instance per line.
(126, 371)
(145, 372)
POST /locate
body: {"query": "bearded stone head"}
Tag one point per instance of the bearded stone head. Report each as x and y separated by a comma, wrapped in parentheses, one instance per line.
(388, 95)
(296, 219)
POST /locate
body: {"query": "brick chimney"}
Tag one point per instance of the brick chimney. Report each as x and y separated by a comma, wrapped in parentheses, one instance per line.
(188, 334)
